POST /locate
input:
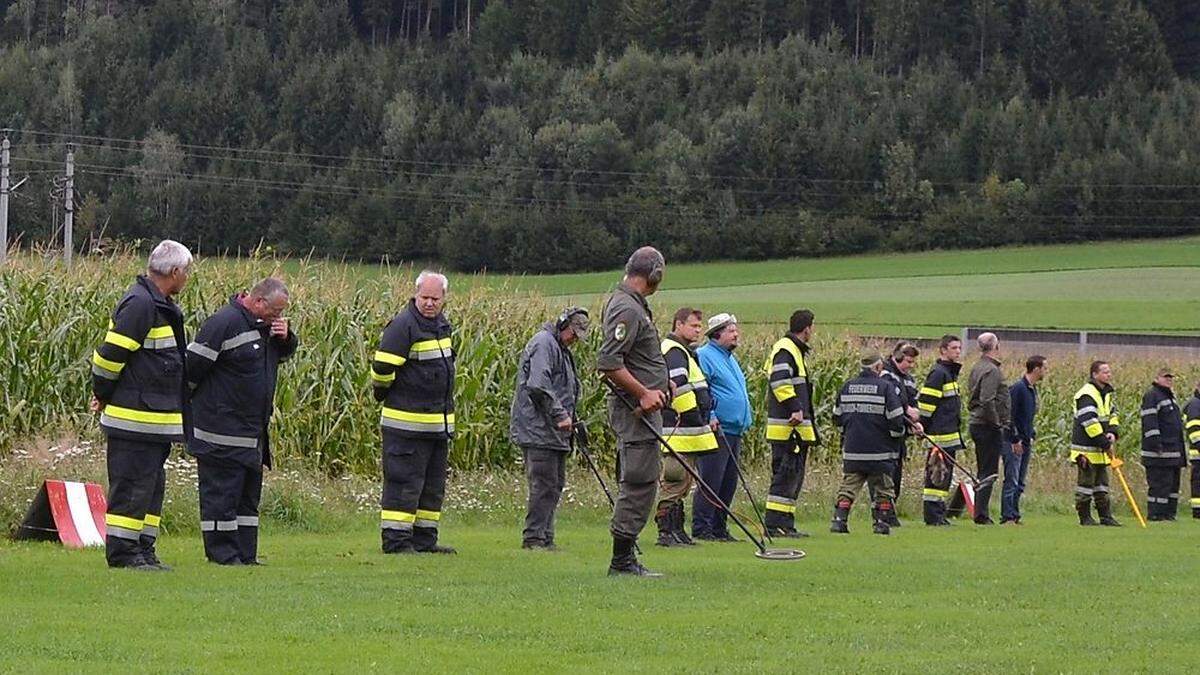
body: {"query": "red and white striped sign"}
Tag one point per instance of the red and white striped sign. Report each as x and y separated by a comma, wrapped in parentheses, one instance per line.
(78, 512)
(968, 494)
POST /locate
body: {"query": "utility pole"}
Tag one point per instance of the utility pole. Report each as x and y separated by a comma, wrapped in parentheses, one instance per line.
(69, 206)
(4, 146)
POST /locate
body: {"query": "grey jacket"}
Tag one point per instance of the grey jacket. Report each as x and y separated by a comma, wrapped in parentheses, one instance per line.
(547, 393)
(989, 404)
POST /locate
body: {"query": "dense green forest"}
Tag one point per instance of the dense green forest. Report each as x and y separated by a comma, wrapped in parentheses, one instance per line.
(548, 135)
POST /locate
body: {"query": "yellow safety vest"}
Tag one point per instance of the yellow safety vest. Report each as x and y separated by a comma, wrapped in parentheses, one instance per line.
(693, 437)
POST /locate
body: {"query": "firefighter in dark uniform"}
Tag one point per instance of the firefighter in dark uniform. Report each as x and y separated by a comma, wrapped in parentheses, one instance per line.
(413, 376)
(1191, 416)
(898, 368)
(138, 389)
(791, 422)
(1094, 434)
(870, 413)
(941, 413)
(688, 425)
(1163, 449)
(631, 358)
(233, 366)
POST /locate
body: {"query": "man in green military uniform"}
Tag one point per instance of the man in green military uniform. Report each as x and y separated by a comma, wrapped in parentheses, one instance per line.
(631, 359)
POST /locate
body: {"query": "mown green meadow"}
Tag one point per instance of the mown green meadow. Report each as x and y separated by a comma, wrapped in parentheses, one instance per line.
(1048, 596)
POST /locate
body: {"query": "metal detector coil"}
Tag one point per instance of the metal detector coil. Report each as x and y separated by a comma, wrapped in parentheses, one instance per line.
(780, 554)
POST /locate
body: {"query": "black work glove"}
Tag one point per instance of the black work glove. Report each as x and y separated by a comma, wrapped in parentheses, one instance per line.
(581, 433)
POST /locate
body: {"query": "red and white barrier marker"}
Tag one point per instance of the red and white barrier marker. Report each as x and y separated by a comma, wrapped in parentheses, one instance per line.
(67, 511)
(968, 494)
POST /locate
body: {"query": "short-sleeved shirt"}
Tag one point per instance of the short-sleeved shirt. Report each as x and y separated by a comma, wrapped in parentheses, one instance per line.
(631, 341)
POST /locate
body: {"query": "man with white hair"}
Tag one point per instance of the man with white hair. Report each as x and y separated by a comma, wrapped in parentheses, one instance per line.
(413, 376)
(232, 368)
(990, 415)
(138, 389)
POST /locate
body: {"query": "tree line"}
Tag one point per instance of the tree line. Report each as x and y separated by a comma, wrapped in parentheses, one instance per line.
(540, 135)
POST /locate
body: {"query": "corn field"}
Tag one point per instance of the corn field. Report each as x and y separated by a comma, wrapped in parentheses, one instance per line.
(52, 317)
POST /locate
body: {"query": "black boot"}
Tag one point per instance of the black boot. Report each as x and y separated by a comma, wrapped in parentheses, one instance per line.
(841, 513)
(935, 514)
(679, 529)
(624, 562)
(397, 541)
(1085, 513)
(1104, 509)
(665, 522)
(150, 556)
(881, 526)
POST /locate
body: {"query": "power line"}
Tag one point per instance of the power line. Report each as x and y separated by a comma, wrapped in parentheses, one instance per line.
(389, 161)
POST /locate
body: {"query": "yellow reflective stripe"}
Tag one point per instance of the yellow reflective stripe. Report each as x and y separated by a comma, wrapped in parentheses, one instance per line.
(400, 516)
(684, 402)
(1114, 421)
(1093, 457)
(160, 332)
(429, 515)
(390, 377)
(783, 391)
(943, 438)
(783, 432)
(927, 407)
(153, 520)
(388, 357)
(782, 508)
(1094, 429)
(1195, 502)
(934, 492)
(1194, 436)
(685, 444)
(1193, 423)
(930, 391)
(115, 338)
(122, 521)
(110, 366)
(421, 418)
(950, 386)
(143, 416)
(430, 345)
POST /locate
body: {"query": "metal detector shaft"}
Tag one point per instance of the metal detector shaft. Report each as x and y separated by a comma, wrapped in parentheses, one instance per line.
(953, 462)
(709, 493)
(587, 456)
(746, 486)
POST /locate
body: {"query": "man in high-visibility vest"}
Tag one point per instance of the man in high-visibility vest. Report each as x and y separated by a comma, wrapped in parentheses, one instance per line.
(1191, 416)
(138, 389)
(791, 422)
(940, 407)
(1094, 434)
(413, 376)
(688, 425)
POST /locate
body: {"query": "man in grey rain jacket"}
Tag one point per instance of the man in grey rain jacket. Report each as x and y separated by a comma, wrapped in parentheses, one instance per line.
(543, 419)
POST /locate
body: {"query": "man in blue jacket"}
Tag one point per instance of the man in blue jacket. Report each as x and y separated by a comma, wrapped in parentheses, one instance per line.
(1023, 394)
(731, 406)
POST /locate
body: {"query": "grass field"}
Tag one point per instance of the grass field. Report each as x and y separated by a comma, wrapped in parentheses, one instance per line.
(1049, 596)
(1147, 286)
(1144, 286)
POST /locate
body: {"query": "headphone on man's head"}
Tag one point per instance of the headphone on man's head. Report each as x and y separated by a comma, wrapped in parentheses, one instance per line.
(565, 318)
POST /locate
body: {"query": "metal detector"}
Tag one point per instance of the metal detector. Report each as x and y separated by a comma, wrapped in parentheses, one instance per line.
(581, 448)
(746, 486)
(763, 552)
(976, 482)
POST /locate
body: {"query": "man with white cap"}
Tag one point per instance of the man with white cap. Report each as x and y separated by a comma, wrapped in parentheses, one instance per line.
(731, 409)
